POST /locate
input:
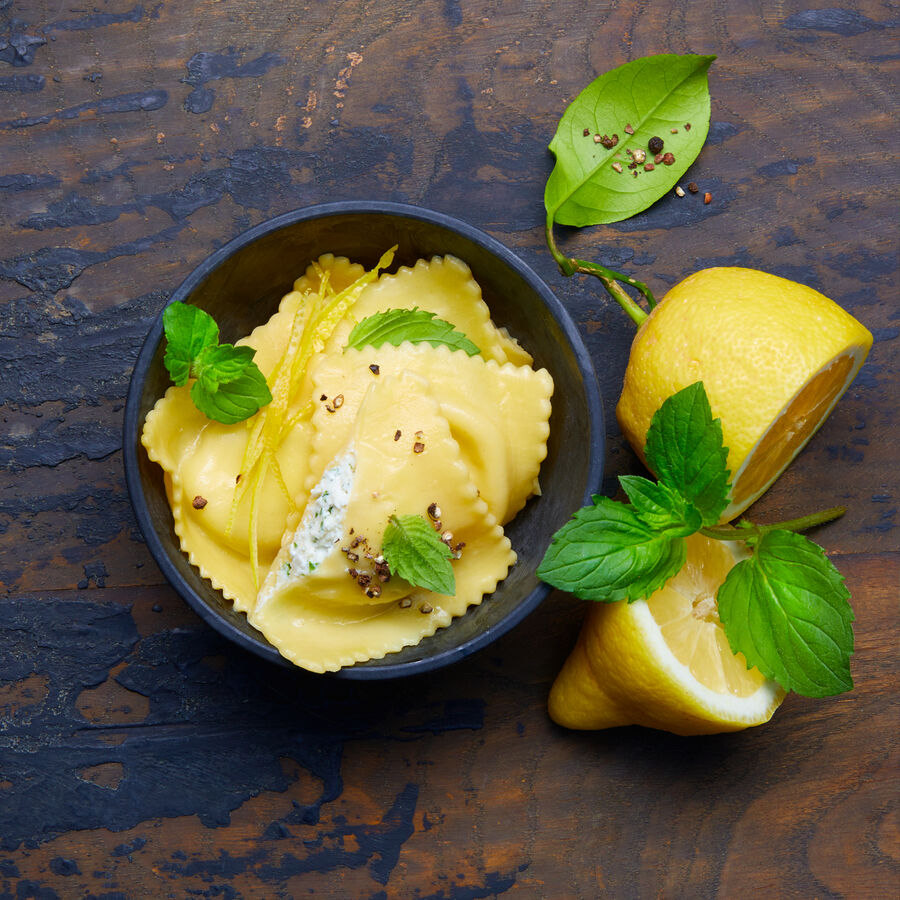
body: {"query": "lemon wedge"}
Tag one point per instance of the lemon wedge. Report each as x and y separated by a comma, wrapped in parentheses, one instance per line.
(664, 662)
(774, 357)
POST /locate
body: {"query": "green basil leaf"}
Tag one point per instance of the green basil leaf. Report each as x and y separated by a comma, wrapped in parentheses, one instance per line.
(394, 326)
(414, 551)
(223, 364)
(188, 331)
(786, 609)
(605, 552)
(653, 95)
(232, 401)
(684, 450)
(659, 506)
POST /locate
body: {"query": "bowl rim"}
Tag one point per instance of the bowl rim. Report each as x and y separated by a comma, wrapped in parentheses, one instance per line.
(131, 427)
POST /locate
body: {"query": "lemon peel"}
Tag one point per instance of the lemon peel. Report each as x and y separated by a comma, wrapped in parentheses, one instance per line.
(774, 356)
(664, 662)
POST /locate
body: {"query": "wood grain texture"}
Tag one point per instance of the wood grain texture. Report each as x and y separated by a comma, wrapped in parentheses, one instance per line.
(141, 755)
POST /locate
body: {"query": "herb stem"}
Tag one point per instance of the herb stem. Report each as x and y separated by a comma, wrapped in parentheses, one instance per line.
(608, 277)
(564, 263)
(744, 530)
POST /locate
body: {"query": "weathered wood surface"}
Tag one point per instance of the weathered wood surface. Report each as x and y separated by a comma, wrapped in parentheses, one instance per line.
(141, 755)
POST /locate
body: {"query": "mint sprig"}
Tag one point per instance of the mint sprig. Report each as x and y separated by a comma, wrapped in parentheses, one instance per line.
(229, 386)
(414, 551)
(785, 608)
(394, 326)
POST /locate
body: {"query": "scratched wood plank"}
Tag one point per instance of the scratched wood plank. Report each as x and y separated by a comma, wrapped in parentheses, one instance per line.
(140, 755)
(457, 781)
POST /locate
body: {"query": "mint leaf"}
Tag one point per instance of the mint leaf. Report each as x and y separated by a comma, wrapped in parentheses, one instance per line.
(188, 331)
(414, 551)
(394, 326)
(605, 552)
(659, 506)
(229, 386)
(653, 95)
(786, 609)
(222, 364)
(684, 450)
(235, 401)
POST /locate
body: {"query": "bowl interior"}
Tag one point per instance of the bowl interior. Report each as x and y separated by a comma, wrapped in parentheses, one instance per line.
(241, 286)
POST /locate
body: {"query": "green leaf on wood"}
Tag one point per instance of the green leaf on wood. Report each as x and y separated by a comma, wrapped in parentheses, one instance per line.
(651, 96)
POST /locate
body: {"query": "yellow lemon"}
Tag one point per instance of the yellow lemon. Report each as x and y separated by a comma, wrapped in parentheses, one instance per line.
(774, 356)
(664, 662)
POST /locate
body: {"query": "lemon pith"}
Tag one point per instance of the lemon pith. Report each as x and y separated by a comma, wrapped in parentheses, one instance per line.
(774, 356)
(664, 662)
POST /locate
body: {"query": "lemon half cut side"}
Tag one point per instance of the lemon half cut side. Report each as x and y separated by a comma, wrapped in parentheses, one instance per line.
(664, 662)
(774, 357)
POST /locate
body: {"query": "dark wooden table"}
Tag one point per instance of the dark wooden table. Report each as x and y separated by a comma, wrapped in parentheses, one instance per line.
(143, 756)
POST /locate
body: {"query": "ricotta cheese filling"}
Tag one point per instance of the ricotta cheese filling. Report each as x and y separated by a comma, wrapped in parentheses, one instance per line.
(323, 519)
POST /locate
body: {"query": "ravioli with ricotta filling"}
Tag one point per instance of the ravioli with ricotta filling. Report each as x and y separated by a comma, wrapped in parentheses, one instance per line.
(498, 414)
(329, 600)
(272, 510)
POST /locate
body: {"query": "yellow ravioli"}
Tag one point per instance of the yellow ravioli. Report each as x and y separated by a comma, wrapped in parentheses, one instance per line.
(341, 273)
(488, 419)
(442, 285)
(202, 460)
(498, 414)
(310, 607)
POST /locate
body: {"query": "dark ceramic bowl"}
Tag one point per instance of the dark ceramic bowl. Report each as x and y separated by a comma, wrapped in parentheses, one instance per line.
(241, 284)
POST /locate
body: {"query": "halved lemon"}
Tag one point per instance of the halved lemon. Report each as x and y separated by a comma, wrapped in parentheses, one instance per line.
(664, 662)
(774, 356)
